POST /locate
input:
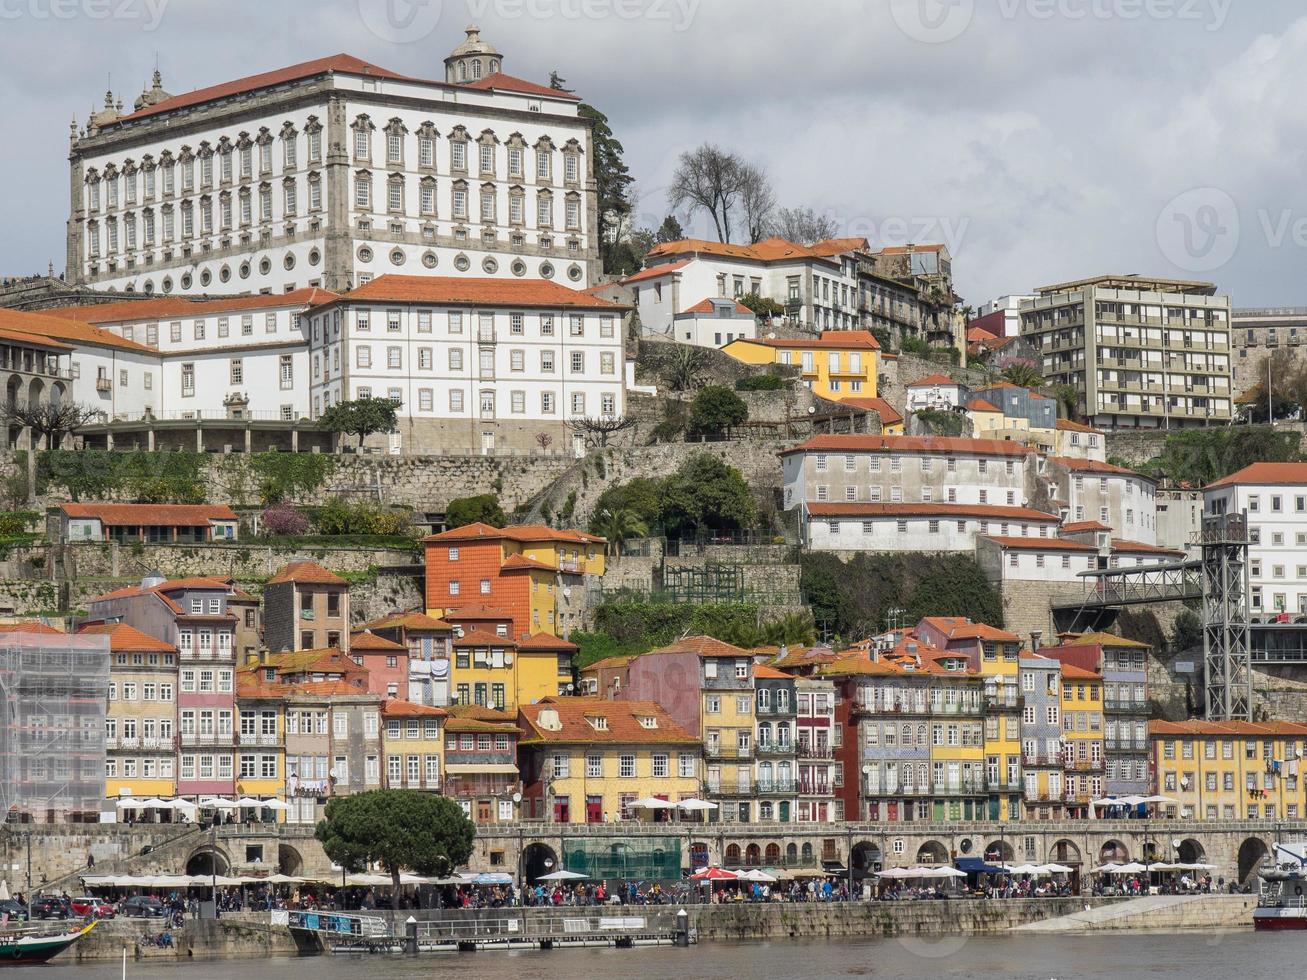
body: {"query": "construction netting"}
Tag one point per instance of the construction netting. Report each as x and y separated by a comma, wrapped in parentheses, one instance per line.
(652, 858)
(53, 698)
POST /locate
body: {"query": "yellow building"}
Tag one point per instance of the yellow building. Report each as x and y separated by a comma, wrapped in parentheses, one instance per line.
(493, 671)
(260, 735)
(1082, 736)
(840, 364)
(413, 744)
(587, 760)
(1229, 770)
(140, 756)
(958, 786)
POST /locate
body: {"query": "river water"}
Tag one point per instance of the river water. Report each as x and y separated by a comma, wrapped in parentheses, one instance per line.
(1191, 956)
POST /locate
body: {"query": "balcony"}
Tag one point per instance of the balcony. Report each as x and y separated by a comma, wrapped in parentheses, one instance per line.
(485, 335)
(807, 788)
(878, 706)
(208, 738)
(1037, 759)
(775, 786)
(775, 748)
(728, 752)
(806, 751)
(1004, 701)
(1125, 744)
(1085, 765)
(730, 787)
(129, 742)
(1004, 786)
(307, 615)
(770, 709)
(103, 384)
(1136, 707)
(252, 739)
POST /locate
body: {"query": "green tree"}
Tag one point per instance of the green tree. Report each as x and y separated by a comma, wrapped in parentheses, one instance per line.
(705, 493)
(641, 497)
(762, 305)
(1186, 631)
(1068, 401)
(617, 527)
(361, 417)
(791, 629)
(1023, 374)
(396, 829)
(481, 509)
(685, 368)
(716, 410)
(613, 182)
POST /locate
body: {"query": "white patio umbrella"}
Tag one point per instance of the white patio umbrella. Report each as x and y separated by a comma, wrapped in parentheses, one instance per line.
(652, 803)
(563, 875)
(756, 875)
(248, 801)
(1057, 869)
(1133, 868)
(696, 805)
(275, 804)
(217, 803)
(1023, 869)
(4, 890)
(1111, 867)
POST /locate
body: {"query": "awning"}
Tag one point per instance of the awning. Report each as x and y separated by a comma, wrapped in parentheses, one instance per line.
(975, 865)
(485, 768)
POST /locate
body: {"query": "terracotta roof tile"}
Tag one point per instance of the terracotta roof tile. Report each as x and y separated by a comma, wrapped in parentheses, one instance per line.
(933, 380)
(128, 639)
(1040, 544)
(154, 515)
(305, 572)
(545, 643)
(515, 563)
(67, 331)
(392, 288)
(32, 340)
(1265, 474)
(1210, 728)
(770, 250)
(829, 340)
(1139, 548)
(522, 533)
(30, 627)
(703, 646)
(137, 311)
(369, 642)
(409, 620)
(762, 670)
(980, 405)
(396, 708)
(889, 415)
(706, 306)
(1079, 673)
(1077, 465)
(655, 272)
(622, 720)
(499, 82)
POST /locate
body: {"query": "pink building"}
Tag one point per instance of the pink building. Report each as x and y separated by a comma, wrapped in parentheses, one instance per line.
(385, 661)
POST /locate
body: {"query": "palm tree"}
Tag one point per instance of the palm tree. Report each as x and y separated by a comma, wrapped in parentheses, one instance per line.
(686, 367)
(618, 527)
(792, 629)
(1023, 375)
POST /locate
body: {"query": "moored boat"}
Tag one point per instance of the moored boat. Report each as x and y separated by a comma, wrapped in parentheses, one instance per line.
(1282, 899)
(27, 947)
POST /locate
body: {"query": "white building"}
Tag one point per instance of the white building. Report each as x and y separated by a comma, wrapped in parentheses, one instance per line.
(816, 284)
(715, 322)
(1086, 490)
(331, 172)
(1274, 496)
(237, 357)
(489, 363)
(936, 392)
(1004, 311)
(928, 527)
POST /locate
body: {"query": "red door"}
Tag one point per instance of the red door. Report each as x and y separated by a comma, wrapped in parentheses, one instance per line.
(562, 812)
(594, 809)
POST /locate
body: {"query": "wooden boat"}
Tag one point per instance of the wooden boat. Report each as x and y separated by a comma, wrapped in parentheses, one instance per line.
(17, 949)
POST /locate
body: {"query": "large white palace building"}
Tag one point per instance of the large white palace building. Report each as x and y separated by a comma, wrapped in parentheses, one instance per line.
(330, 173)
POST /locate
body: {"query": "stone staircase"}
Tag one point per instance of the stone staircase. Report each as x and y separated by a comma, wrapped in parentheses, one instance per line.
(1168, 912)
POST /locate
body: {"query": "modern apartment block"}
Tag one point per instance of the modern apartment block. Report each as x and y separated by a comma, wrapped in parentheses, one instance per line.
(1142, 352)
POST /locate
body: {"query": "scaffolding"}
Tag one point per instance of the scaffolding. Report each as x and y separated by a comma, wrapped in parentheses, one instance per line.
(53, 699)
(1227, 661)
(635, 858)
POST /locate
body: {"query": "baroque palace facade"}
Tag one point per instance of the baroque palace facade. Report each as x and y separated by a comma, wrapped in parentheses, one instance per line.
(330, 173)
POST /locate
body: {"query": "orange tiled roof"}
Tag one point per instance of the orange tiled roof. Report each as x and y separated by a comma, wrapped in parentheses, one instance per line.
(978, 511)
(608, 663)
(305, 572)
(135, 311)
(1079, 527)
(621, 717)
(22, 337)
(980, 405)
(155, 515)
(408, 620)
(703, 646)
(514, 563)
(839, 246)
(906, 249)
(172, 585)
(706, 306)
(483, 638)
(368, 642)
(773, 249)
(889, 415)
(829, 340)
(339, 63)
(71, 332)
(1139, 548)
(477, 611)
(656, 272)
(523, 533)
(1066, 425)
(935, 379)
(1079, 673)
(545, 643)
(29, 627)
(1194, 727)
(961, 628)
(909, 444)
(762, 670)
(128, 639)
(1077, 465)
(1265, 474)
(499, 82)
(395, 708)
(392, 288)
(1040, 544)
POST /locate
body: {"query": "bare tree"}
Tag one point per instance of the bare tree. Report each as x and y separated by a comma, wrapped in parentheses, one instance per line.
(707, 179)
(599, 430)
(544, 440)
(803, 225)
(757, 200)
(51, 420)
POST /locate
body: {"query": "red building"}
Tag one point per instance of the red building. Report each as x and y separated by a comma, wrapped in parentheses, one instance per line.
(385, 661)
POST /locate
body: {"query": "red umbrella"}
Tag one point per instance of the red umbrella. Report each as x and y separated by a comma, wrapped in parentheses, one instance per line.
(713, 874)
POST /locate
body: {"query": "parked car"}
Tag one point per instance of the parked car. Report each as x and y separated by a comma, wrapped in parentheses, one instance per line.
(142, 907)
(89, 905)
(49, 908)
(16, 910)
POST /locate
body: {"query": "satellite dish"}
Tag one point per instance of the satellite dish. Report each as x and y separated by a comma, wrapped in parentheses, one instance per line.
(1176, 843)
(508, 658)
(517, 797)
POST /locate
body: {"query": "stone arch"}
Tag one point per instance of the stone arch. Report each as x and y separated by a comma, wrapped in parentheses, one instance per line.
(1113, 850)
(932, 852)
(58, 392)
(1064, 852)
(1000, 850)
(1152, 851)
(1191, 851)
(807, 854)
(208, 861)
(791, 853)
(1251, 854)
(538, 859)
(732, 854)
(772, 853)
(753, 855)
(866, 858)
(289, 860)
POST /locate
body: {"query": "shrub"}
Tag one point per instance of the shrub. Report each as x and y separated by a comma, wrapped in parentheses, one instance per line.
(717, 409)
(284, 519)
(760, 382)
(482, 509)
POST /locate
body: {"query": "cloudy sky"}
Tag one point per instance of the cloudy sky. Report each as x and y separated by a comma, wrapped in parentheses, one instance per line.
(1042, 140)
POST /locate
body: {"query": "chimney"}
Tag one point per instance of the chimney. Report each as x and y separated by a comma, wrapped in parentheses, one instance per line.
(1035, 636)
